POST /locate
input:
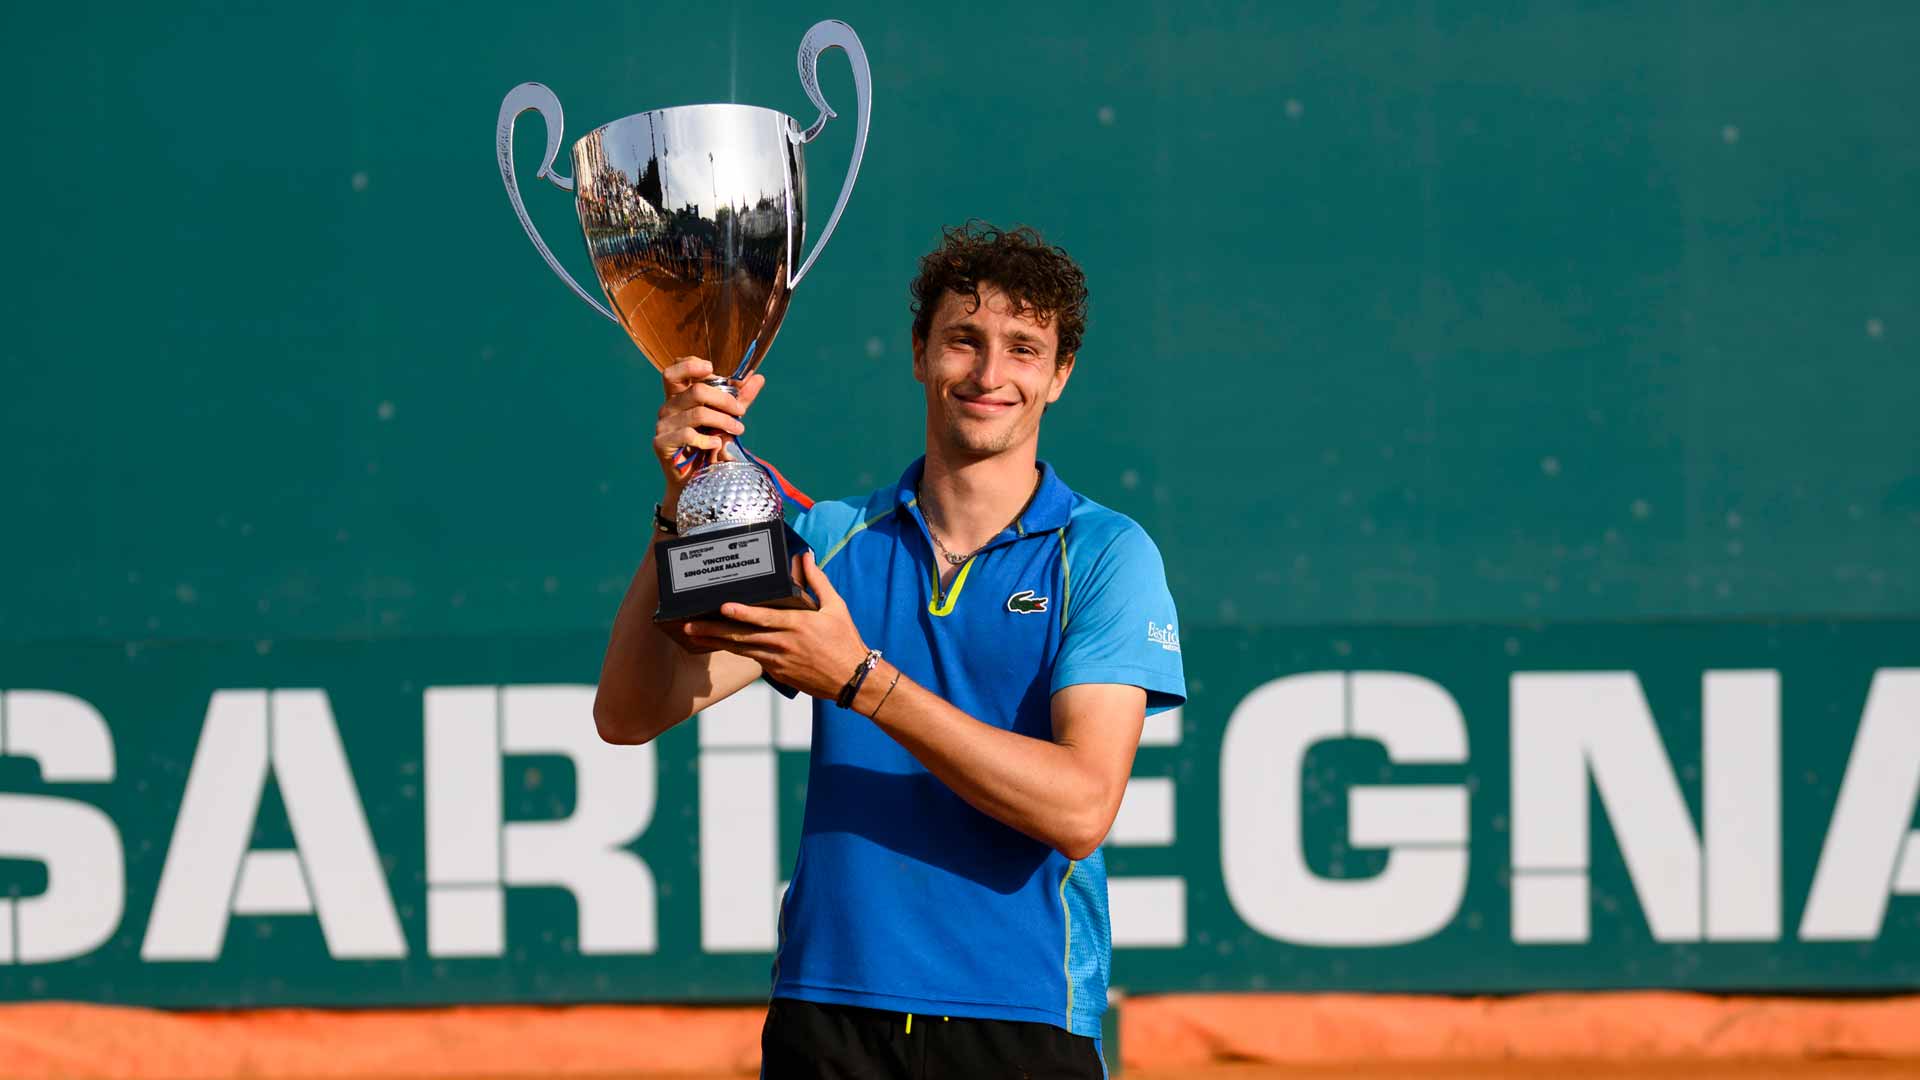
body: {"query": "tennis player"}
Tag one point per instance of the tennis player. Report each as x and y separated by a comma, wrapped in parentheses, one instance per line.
(987, 647)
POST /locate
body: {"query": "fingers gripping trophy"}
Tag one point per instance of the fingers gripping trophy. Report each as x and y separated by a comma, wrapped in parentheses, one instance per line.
(695, 222)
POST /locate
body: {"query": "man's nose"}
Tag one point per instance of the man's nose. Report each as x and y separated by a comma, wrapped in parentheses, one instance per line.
(990, 369)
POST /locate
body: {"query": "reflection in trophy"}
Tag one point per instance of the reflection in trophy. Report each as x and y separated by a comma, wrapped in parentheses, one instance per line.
(695, 219)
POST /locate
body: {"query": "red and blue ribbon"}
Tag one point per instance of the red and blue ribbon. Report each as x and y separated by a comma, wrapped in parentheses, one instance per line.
(687, 459)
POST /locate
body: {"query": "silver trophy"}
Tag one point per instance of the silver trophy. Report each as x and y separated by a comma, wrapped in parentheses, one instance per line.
(695, 220)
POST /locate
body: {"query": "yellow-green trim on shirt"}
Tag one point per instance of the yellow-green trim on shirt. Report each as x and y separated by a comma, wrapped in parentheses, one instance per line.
(1066, 578)
(855, 531)
(939, 605)
(1066, 958)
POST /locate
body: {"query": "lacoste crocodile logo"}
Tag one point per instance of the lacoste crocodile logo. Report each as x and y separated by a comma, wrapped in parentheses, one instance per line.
(1025, 603)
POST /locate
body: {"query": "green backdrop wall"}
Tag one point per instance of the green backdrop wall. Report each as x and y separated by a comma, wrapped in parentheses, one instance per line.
(1412, 324)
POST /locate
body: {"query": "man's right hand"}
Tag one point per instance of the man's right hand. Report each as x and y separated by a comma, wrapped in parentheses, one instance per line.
(691, 404)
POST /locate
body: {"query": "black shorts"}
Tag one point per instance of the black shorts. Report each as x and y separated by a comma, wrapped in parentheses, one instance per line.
(805, 1041)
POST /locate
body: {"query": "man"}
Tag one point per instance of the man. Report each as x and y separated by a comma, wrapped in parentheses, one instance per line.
(998, 642)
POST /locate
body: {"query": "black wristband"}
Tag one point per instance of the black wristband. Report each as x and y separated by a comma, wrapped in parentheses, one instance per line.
(852, 689)
(663, 523)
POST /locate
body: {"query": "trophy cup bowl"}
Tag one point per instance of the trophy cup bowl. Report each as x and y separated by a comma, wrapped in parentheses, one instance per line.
(691, 217)
(694, 219)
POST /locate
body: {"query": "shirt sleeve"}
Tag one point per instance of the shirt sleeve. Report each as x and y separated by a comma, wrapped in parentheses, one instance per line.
(1121, 626)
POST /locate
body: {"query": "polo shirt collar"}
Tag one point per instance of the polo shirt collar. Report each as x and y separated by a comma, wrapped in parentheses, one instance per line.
(1052, 502)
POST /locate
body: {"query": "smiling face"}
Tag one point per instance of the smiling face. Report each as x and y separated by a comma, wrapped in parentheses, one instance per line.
(989, 371)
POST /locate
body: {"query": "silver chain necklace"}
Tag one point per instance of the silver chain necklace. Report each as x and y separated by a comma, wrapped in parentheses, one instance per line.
(961, 560)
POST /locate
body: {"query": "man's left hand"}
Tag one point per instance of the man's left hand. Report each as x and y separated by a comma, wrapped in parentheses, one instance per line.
(815, 652)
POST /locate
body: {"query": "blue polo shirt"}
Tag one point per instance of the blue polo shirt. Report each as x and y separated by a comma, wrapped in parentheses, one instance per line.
(904, 897)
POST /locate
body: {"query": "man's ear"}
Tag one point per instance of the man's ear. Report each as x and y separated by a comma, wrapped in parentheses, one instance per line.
(919, 358)
(1061, 373)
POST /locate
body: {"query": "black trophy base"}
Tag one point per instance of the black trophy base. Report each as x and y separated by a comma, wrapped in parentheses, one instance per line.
(743, 564)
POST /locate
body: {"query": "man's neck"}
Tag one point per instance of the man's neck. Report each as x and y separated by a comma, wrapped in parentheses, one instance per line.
(971, 498)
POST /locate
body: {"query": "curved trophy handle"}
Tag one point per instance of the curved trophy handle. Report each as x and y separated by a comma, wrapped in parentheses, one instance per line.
(831, 34)
(534, 96)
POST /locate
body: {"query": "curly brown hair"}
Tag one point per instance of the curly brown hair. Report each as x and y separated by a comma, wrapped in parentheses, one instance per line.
(1042, 280)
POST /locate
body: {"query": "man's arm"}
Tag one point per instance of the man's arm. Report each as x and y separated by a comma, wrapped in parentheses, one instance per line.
(1063, 792)
(648, 683)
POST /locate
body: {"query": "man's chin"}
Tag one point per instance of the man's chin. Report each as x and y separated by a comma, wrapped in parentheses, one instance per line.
(985, 442)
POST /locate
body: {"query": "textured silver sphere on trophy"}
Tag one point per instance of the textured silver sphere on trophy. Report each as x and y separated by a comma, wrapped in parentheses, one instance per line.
(727, 493)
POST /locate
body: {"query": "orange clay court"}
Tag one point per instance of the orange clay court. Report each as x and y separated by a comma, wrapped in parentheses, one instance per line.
(1229, 1037)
